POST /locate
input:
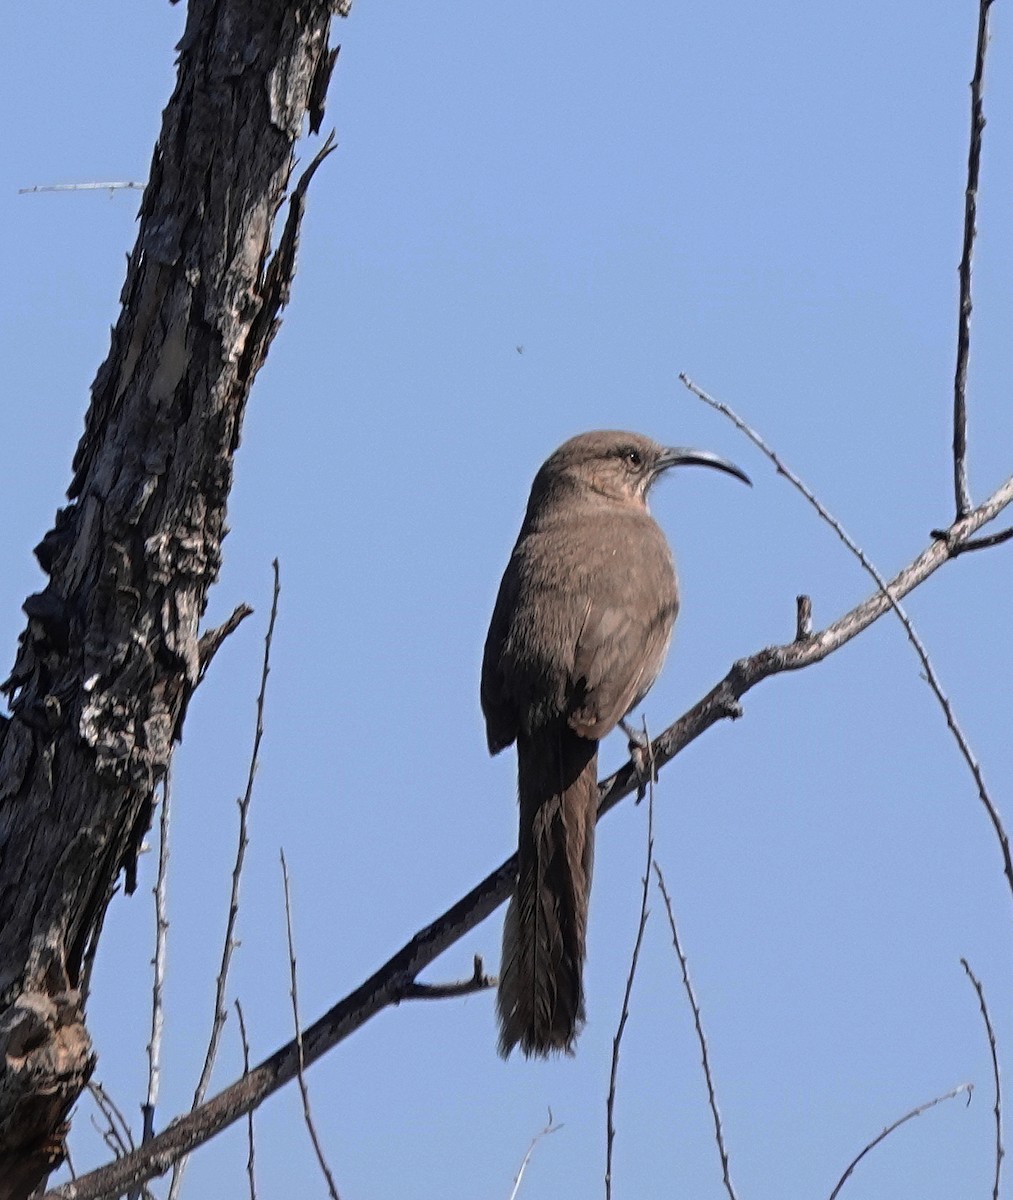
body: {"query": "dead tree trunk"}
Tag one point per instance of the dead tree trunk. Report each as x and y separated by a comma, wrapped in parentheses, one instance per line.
(111, 654)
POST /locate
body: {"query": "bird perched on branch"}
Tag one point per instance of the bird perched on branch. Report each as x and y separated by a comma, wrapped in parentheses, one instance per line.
(579, 632)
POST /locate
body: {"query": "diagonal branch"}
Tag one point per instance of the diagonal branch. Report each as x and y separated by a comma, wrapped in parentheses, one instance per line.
(982, 543)
(550, 1127)
(213, 639)
(391, 983)
(964, 1088)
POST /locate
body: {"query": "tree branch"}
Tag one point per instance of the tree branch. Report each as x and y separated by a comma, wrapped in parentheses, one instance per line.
(242, 841)
(701, 1037)
(993, 1050)
(213, 639)
(624, 1012)
(961, 490)
(478, 982)
(967, 1088)
(304, 1091)
(550, 1127)
(982, 543)
(251, 1149)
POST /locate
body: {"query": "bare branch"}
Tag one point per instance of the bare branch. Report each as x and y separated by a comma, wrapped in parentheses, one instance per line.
(251, 1173)
(915, 1112)
(610, 1103)
(892, 596)
(301, 1072)
(701, 1038)
(479, 982)
(997, 1107)
(117, 1135)
(961, 491)
(281, 269)
(161, 937)
(107, 1135)
(803, 618)
(80, 187)
(211, 641)
(549, 1128)
(982, 543)
(229, 942)
(158, 963)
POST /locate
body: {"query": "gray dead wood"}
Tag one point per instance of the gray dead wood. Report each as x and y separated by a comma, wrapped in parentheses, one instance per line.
(111, 650)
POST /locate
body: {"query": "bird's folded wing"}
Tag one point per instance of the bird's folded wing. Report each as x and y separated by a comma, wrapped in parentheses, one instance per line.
(618, 655)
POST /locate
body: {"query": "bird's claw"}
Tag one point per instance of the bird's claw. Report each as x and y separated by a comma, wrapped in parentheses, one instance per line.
(639, 747)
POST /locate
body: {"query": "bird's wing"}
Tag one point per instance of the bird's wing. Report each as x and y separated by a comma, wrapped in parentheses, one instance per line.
(619, 653)
(498, 707)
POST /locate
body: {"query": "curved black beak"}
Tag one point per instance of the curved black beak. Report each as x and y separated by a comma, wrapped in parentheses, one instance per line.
(683, 456)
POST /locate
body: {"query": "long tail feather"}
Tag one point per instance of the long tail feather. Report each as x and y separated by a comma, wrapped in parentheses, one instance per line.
(541, 993)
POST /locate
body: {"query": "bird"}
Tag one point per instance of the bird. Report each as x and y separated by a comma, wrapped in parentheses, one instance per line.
(579, 631)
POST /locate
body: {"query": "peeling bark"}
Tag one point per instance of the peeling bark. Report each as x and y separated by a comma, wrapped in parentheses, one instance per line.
(111, 652)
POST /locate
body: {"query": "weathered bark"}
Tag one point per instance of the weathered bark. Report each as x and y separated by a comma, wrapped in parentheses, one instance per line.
(110, 653)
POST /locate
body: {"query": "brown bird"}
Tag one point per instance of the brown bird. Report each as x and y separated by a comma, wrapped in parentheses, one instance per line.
(579, 633)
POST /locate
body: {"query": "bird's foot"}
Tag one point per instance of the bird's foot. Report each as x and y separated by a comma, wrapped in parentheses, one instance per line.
(639, 745)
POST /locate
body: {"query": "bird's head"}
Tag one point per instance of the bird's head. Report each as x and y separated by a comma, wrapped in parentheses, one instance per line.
(617, 465)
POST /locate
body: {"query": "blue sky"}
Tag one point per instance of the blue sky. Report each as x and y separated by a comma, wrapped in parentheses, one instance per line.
(769, 198)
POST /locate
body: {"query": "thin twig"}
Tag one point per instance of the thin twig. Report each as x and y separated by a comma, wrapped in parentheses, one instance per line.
(982, 543)
(80, 187)
(301, 1073)
(107, 1136)
(479, 982)
(891, 594)
(549, 1128)
(386, 986)
(251, 1173)
(118, 1136)
(961, 491)
(610, 1103)
(161, 938)
(997, 1107)
(211, 640)
(803, 618)
(915, 1112)
(229, 941)
(158, 974)
(701, 1038)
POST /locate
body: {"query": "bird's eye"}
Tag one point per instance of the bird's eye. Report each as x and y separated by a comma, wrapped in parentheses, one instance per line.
(633, 458)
